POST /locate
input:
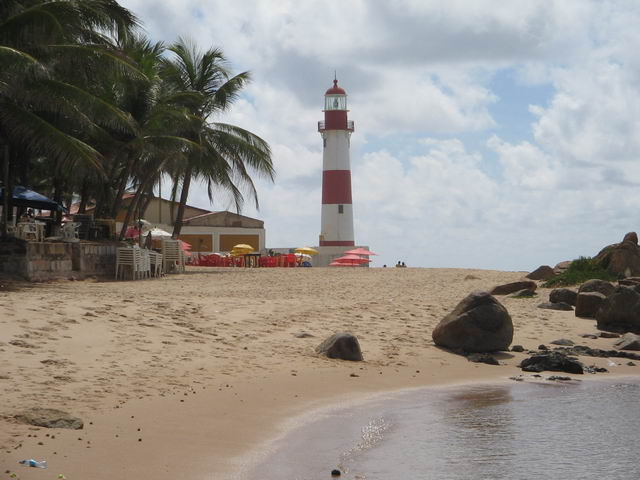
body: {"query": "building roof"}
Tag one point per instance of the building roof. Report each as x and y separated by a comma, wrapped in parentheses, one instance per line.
(335, 90)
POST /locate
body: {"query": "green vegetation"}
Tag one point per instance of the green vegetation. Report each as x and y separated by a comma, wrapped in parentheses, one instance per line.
(90, 108)
(581, 270)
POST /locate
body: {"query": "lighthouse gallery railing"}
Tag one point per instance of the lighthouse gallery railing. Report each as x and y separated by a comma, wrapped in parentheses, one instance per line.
(348, 126)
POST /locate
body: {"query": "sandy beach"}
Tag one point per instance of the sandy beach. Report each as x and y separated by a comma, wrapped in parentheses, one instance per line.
(191, 375)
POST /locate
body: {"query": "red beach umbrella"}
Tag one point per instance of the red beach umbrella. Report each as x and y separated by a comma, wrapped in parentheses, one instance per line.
(352, 260)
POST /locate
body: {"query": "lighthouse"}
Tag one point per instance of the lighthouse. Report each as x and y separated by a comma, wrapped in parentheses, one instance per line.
(336, 229)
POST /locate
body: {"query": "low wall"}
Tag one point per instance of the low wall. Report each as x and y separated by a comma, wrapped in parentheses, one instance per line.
(40, 261)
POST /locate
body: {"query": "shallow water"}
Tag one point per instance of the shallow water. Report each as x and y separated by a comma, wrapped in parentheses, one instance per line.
(587, 430)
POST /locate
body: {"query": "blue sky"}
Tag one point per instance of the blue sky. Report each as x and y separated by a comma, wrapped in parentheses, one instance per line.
(498, 135)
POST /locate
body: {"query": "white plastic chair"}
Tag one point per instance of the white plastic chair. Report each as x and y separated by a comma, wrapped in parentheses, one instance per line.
(128, 257)
(172, 255)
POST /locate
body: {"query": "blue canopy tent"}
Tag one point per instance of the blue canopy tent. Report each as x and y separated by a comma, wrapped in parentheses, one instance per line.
(23, 197)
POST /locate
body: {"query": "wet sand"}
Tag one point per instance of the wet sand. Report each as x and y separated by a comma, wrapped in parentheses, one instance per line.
(186, 376)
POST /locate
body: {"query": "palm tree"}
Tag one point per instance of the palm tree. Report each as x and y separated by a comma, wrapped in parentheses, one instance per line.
(49, 51)
(225, 153)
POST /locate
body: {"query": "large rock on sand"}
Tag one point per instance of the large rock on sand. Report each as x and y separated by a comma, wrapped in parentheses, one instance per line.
(543, 272)
(588, 304)
(622, 259)
(479, 323)
(343, 346)
(563, 295)
(512, 287)
(49, 418)
(620, 312)
(596, 285)
(629, 341)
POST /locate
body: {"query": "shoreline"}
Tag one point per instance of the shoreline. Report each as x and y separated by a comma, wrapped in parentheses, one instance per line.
(211, 375)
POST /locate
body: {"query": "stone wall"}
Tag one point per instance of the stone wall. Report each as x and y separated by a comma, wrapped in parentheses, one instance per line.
(41, 261)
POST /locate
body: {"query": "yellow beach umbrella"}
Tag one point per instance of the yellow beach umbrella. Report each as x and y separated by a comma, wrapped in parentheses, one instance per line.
(307, 251)
(243, 247)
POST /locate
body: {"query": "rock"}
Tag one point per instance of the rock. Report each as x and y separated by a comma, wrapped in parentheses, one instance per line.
(543, 272)
(563, 341)
(629, 341)
(631, 364)
(622, 259)
(479, 323)
(543, 347)
(512, 287)
(517, 348)
(620, 311)
(526, 293)
(561, 267)
(588, 304)
(583, 350)
(589, 335)
(482, 358)
(596, 285)
(629, 281)
(302, 335)
(343, 346)
(552, 361)
(594, 369)
(558, 378)
(556, 306)
(609, 335)
(49, 418)
(471, 277)
(563, 295)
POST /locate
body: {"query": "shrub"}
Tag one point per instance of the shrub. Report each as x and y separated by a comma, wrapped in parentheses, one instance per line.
(581, 270)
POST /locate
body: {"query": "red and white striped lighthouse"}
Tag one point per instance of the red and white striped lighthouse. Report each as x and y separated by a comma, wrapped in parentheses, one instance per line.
(336, 229)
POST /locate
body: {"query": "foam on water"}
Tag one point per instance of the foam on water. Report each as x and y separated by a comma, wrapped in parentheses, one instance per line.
(587, 431)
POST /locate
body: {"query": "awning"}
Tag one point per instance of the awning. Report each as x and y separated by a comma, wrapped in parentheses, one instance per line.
(23, 197)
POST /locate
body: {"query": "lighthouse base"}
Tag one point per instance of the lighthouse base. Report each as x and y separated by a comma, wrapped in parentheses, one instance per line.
(326, 255)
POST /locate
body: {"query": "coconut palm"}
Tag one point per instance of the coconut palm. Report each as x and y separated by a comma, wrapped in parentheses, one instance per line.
(225, 154)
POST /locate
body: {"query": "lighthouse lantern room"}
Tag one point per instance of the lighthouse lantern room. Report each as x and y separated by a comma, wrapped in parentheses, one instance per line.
(336, 228)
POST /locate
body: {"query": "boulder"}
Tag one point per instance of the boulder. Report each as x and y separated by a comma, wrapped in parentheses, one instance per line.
(543, 272)
(552, 361)
(479, 323)
(563, 341)
(555, 306)
(563, 295)
(629, 281)
(588, 304)
(622, 259)
(343, 346)
(621, 311)
(596, 285)
(629, 341)
(517, 348)
(512, 287)
(49, 418)
(561, 267)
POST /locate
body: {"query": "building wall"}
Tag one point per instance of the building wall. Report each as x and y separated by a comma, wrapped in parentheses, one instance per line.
(254, 237)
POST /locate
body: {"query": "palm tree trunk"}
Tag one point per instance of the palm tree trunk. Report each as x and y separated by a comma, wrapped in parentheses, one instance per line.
(133, 205)
(5, 191)
(84, 196)
(177, 226)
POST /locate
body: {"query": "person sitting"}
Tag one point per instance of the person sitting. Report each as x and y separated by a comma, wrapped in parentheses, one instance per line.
(398, 264)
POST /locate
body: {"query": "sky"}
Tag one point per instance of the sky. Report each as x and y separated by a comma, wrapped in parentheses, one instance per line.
(488, 134)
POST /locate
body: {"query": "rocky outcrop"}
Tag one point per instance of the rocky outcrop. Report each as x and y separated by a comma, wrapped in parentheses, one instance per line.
(526, 293)
(596, 285)
(629, 341)
(552, 361)
(622, 259)
(588, 304)
(543, 272)
(563, 295)
(513, 287)
(620, 312)
(49, 418)
(479, 323)
(555, 306)
(343, 346)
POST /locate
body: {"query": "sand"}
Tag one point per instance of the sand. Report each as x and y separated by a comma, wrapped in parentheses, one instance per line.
(192, 375)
